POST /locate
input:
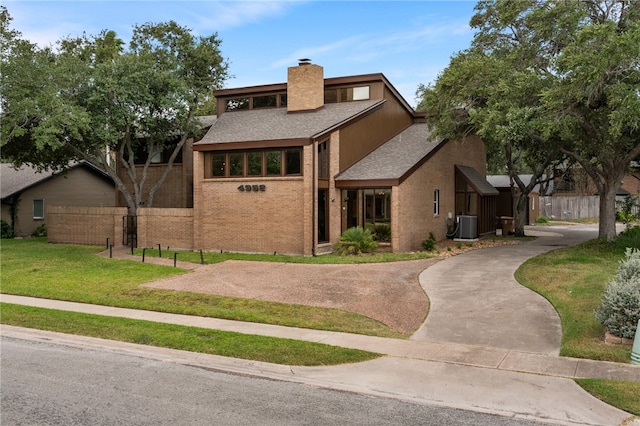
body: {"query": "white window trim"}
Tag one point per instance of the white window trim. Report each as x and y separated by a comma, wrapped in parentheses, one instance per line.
(436, 202)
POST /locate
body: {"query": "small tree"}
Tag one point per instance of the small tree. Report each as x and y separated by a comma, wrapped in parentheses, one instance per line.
(620, 308)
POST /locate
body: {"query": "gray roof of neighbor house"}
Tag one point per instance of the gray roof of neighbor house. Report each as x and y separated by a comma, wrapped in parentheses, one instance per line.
(277, 124)
(477, 181)
(395, 158)
(13, 181)
(503, 181)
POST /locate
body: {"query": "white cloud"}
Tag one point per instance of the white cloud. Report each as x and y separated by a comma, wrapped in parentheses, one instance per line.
(223, 15)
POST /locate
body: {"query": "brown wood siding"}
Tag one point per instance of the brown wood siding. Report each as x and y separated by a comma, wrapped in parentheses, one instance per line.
(367, 134)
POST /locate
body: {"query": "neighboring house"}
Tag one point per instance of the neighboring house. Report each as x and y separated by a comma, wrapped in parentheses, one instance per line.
(288, 167)
(504, 203)
(26, 193)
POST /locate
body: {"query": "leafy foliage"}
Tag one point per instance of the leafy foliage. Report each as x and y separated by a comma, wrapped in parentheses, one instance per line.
(382, 233)
(355, 241)
(544, 80)
(7, 230)
(40, 231)
(91, 98)
(620, 308)
(430, 243)
(625, 214)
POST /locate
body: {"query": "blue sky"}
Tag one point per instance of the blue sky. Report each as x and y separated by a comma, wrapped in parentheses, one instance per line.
(410, 42)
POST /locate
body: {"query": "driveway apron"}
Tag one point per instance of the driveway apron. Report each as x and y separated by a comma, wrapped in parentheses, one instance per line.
(475, 299)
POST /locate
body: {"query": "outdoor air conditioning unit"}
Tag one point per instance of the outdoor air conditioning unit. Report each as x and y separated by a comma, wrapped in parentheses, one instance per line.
(467, 228)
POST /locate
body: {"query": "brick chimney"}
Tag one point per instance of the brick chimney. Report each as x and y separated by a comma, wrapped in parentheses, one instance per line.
(305, 87)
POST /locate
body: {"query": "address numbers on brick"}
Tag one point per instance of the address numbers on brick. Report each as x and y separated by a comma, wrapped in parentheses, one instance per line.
(254, 188)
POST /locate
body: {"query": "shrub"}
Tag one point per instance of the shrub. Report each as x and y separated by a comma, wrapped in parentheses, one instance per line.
(355, 241)
(630, 237)
(40, 231)
(620, 306)
(382, 233)
(542, 219)
(430, 243)
(625, 214)
(7, 230)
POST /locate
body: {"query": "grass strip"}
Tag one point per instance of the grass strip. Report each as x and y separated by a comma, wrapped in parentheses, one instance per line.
(31, 267)
(573, 280)
(621, 394)
(244, 346)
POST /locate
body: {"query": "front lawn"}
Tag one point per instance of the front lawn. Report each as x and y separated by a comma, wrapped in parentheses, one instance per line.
(31, 267)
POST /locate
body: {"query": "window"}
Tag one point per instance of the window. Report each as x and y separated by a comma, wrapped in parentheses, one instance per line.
(237, 104)
(277, 162)
(218, 164)
(354, 93)
(269, 101)
(38, 209)
(274, 159)
(436, 202)
(236, 164)
(293, 158)
(330, 96)
(323, 160)
(254, 163)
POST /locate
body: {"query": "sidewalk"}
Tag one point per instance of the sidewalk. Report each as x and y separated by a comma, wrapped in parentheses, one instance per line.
(459, 358)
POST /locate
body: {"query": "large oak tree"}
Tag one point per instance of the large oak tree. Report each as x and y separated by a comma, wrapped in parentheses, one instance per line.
(90, 98)
(551, 78)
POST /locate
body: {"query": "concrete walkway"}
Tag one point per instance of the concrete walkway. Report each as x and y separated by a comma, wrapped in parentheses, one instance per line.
(502, 359)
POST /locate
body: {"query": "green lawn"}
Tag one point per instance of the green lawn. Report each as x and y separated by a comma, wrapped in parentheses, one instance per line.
(236, 345)
(31, 267)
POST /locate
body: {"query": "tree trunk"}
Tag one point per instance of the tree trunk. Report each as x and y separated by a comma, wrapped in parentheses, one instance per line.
(520, 214)
(607, 225)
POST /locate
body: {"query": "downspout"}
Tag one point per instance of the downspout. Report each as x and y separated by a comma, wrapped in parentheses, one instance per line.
(314, 196)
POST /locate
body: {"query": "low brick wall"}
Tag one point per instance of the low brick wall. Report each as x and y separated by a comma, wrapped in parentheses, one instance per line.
(169, 227)
(93, 225)
(84, 225)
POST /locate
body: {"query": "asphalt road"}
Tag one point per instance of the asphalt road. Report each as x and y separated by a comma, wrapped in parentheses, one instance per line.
(49, 384)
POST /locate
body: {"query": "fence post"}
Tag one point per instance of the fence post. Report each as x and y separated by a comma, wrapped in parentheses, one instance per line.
(159, 251)
(175, 259)
(143, 252)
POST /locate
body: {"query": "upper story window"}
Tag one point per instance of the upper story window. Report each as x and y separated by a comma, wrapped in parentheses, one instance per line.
(256, 102)
(346, 94)
(254, 163)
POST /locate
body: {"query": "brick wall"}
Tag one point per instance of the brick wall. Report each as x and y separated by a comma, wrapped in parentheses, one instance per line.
(85, 225)
(93, 225)
(412, 200)
(167, 227)
(278, 219)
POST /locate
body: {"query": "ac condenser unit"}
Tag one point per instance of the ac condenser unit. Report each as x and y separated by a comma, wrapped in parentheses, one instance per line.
(468, 227)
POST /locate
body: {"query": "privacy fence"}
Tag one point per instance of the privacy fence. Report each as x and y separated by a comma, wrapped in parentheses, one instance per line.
(94, 225)
(574, 207)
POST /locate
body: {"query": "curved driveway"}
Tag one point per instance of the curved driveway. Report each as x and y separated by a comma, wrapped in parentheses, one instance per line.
(475, 299)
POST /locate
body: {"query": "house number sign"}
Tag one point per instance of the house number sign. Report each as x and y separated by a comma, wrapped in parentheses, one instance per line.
(254, 188)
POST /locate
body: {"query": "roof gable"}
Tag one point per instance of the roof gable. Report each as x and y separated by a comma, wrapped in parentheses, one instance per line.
(396, 158)
(14, 180)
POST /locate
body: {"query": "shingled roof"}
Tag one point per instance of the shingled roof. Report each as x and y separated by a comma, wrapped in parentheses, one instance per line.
(14, 180)
(477, 181)
(396, 158)
(276, 124)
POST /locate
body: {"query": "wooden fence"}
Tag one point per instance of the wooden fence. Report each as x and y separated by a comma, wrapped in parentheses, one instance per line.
(574, 207)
